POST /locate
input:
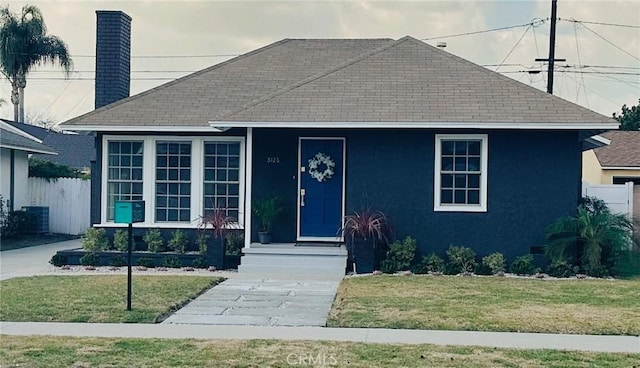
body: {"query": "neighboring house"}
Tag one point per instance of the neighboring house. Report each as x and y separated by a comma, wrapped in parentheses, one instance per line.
(74, 150)
(452, 152)
(616, 163)
(15, 147)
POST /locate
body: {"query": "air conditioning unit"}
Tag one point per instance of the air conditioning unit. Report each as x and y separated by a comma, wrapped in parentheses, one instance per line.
(41, 218)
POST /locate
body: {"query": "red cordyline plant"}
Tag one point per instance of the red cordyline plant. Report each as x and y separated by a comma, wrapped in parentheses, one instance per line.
(367, 224)
(217, 220)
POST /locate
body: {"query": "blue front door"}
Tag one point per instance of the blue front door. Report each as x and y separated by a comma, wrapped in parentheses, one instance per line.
(320, 201)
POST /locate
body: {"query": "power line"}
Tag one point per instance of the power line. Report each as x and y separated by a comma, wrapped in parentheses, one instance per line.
(154, 56)
(572, 71)
(534, 23)
(611, 43)
(514, 47)
(600, 23)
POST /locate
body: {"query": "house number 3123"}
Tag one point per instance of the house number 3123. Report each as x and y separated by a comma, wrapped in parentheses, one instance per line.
(273, 160)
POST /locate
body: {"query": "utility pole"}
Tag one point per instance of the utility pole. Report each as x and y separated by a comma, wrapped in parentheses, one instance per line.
(552, 47)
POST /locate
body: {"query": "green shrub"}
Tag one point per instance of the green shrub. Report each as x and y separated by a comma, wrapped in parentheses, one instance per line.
(482, 269)
(58, 260)
(178, 242)
(461, 259)
(95, 240)
(495, 263)
(121, 240)
(117, 261)
(202, 241)
(199, 263)
(596, 270)
(172, 262)
(15, 224)
(49, 170)
(592, 239)
(389, 266)
(627, 264)
(524, 265)
(154, 241)
(146, 262)
(431, 263)
(234, 243)
(562, 268)
(401, 254)
(90, 259)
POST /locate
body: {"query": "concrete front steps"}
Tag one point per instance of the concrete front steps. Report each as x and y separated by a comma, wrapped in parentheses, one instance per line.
(314, 261)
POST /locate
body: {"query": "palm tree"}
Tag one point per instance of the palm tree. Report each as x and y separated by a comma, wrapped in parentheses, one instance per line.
(594, 237)
(24, 44)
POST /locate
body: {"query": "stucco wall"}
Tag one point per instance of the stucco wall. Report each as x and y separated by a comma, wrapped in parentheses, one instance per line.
(534, 178)
(591, 169)
(607, 175)
(21, 194)
(593, 173)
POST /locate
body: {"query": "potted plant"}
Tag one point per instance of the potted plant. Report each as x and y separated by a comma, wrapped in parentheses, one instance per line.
(366, 232)
(233, 249)
(267, 210)
(217, 221)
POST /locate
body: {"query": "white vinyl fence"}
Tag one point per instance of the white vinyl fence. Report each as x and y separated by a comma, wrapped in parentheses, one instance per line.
(68, 200)
(618, 197)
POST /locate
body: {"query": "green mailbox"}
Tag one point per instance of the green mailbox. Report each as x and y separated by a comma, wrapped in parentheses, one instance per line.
(128, 212)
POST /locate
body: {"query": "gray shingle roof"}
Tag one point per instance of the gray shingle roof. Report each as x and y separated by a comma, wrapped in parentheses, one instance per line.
(75, 150)
(379, 80)
(12, 140)
(624, 150)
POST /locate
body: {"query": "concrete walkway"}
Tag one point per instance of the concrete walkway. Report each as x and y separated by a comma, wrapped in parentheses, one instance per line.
(256, 300)
(611, 344)
(32, 261)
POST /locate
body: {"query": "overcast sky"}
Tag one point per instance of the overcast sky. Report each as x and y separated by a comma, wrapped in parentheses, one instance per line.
(170, 39)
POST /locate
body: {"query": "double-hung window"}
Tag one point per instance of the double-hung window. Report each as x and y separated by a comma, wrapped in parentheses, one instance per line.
(222, 178)
(173, 181)
(124, 173)
(461, 172)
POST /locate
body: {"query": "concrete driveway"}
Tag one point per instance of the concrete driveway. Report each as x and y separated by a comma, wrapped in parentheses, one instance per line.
(32, 260)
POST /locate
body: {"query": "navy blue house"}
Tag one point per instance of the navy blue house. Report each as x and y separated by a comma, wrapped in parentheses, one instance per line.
(451, 152)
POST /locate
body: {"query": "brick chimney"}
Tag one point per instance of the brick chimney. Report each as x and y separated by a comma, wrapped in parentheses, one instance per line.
(113, 57)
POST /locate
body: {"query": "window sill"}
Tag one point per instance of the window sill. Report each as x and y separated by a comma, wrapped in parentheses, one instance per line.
(165, 225)
(460, 209)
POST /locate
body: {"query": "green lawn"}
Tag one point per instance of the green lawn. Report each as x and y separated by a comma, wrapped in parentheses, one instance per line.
(489, 304)
(96, 298)
(46, 351)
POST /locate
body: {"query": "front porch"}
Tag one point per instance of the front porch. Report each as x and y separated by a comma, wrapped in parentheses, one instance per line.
(303, 260)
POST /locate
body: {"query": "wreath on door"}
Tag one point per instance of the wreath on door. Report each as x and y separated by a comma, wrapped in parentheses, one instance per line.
(321, 167)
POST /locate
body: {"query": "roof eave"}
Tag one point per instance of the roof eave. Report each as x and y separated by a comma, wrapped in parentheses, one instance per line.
(142, 128)
(595, 141)
(29, 150)
(415, 125)
(620, 167)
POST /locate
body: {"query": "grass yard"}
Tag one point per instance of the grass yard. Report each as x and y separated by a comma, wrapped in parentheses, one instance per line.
(489, 304)
(47, 351)
(96, 298)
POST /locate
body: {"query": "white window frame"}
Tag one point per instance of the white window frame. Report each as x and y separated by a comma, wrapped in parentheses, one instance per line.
(484, 154)
(149, 178)
(155, 178)
(105, 174)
